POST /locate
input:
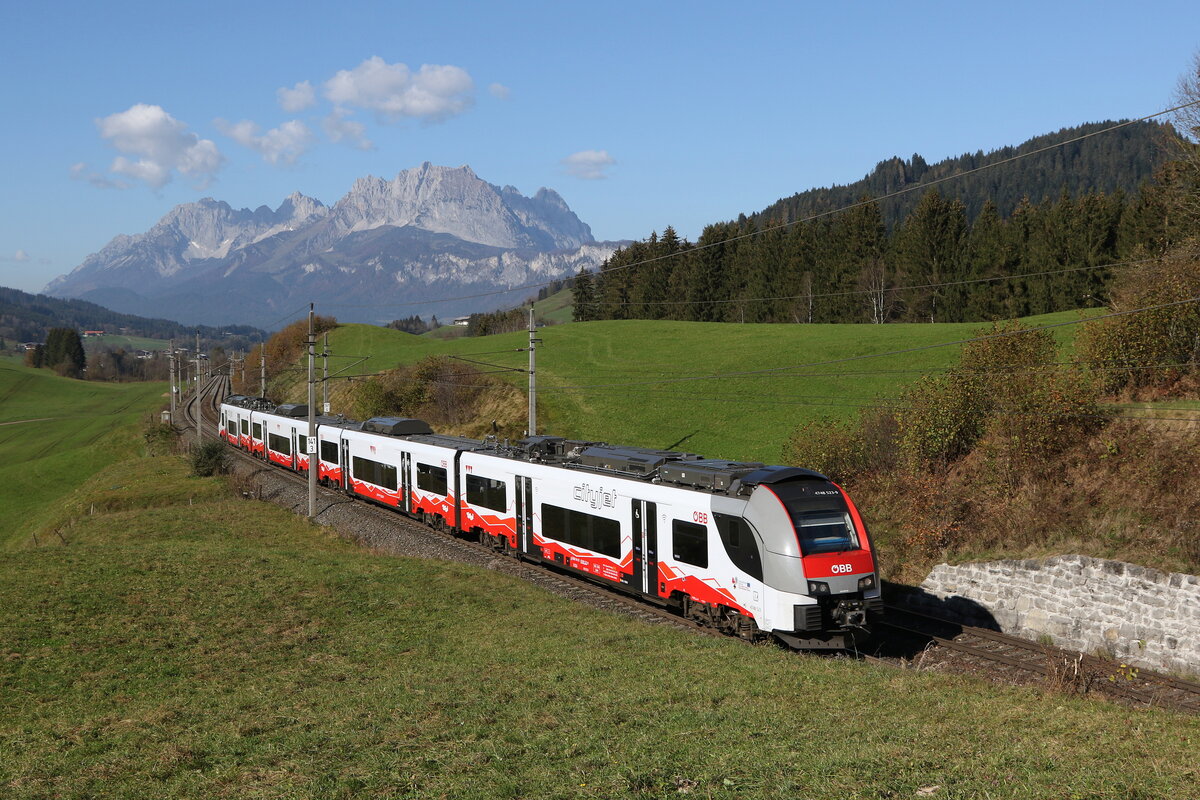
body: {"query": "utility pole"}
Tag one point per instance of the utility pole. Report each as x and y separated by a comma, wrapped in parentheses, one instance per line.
(262, 369)
(172, 356)
(532, 377)
(199, 414)
(325, 376)
(311, 444)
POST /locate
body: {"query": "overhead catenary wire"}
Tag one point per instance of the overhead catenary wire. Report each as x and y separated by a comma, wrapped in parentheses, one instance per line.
(903, 351)
(887, 290)
(811, 218)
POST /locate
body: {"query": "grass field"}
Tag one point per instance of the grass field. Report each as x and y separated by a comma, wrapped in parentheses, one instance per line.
(128, 343)
(631, 382)
(54, 433)
(183, 643)
(558, 308)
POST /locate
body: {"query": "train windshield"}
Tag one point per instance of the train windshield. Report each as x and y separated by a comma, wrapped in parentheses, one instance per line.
(820, 517)
(824, 531)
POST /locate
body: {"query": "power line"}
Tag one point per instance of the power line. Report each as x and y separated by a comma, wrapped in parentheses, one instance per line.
(888, 290)
(904, 351)
(812, 218)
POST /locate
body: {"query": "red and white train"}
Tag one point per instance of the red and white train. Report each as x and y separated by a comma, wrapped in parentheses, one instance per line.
(751, 549)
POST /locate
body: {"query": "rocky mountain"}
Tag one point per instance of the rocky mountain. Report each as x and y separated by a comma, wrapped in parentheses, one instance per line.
(437, 236)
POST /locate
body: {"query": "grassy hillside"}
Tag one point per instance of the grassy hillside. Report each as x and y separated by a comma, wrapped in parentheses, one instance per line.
(56, 432)
(605, 380)
(558, 308)
(184, 643)
(129, 343)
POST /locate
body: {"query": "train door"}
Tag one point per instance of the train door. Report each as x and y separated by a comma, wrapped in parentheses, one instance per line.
(524, 514)
(405, 480)
(346, 464)
(295, 452)
(645, 546)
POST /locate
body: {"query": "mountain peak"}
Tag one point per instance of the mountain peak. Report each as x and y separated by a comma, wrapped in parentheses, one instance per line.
(432, 229)
(454, 200)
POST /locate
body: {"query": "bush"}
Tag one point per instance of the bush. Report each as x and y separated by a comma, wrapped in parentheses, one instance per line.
(209, 459)
(159, 437)
(1150, 350)
(845, 450)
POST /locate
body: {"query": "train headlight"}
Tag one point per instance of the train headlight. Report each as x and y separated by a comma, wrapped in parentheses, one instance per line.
(818, 587)
(866, 583)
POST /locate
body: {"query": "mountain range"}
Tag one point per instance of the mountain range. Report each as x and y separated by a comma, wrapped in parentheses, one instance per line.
(434, 240)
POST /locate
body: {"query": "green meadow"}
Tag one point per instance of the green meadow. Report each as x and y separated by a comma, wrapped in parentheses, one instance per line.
(645, 383)
(180, 642)
(161, 637)
(55, 433)
(128, 343)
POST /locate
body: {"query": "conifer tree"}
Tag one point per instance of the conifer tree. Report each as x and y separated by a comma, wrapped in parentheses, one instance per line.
(584, 295)
(928, 250)
(64, 352)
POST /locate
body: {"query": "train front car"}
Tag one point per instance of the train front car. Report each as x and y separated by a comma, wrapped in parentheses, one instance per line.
(818, 562)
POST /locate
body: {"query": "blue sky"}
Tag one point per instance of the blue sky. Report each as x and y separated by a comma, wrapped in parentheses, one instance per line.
(639, 114)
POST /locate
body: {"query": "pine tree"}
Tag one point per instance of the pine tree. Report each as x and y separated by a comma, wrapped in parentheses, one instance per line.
(64, 352)
(928, 251)
(584, 296)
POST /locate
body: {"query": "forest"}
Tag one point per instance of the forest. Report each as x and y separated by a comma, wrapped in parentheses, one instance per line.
(964, 252)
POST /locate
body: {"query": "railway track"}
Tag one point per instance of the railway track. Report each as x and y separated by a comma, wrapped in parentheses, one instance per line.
(1024, 661)
(457, 548)
(903, 636)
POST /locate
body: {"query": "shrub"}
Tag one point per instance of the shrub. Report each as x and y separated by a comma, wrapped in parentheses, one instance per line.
(1007, 397)
(1151, 349)
(159, 437)
(445, 393)
(209, 459)
(845, 450)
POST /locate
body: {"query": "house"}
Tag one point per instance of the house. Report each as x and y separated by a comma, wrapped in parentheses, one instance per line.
(90, 334)
(462, 322)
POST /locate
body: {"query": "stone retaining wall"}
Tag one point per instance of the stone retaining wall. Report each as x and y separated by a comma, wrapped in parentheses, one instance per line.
(1135, 614)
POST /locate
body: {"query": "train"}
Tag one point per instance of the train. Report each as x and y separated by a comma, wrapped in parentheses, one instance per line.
(753, 550)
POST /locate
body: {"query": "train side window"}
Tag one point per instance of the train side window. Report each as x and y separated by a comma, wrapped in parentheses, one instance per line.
(689, 543)
(598, 534)
(257, 431)
(431, 479)
(246, 428)
(740, 544)
(375, 472)
(280, 444)
(329, 452)
(387, 477)
(487, 493)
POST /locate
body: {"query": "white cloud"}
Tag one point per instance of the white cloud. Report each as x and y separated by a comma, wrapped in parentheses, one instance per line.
(82, 172)
(279, 145)
(159, 145)
(20, 257)
(589, 164)
(432, 93)
(340, 129)
(298, 98)
(500, 91)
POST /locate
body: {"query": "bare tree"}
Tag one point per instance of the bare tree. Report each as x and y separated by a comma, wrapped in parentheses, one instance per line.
(804, 308)
(881, 300)
(1186, 177)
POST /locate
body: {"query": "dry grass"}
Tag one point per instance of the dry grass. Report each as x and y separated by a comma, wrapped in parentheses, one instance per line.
(1129, 492)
